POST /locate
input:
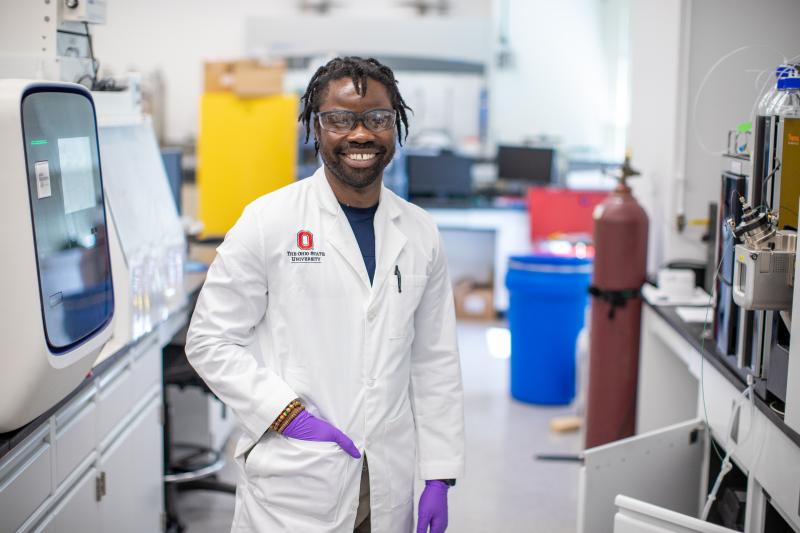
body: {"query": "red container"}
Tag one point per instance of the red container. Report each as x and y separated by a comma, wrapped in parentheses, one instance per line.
(554, 210)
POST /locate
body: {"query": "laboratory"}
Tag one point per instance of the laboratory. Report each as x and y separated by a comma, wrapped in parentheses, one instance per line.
(399, 266)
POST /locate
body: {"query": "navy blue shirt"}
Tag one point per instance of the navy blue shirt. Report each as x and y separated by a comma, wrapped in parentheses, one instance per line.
(361, 220)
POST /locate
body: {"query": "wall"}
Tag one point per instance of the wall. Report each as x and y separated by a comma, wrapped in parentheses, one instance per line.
(564, 77)
(177, 36)
(655, 81)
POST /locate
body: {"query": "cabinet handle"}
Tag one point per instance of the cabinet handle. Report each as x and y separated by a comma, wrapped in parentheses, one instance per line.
(100, 486)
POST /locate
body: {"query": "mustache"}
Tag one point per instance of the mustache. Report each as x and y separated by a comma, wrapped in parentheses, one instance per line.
(361, 146)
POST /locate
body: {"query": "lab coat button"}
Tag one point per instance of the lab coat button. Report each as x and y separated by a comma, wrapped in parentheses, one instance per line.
(370, 382)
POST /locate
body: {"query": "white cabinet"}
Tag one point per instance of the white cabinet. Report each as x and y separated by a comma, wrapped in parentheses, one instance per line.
(635, 516)
(663, 471)
(131, 472)
(25, 480)
(662, 467)
(78, 510)
(95, 465)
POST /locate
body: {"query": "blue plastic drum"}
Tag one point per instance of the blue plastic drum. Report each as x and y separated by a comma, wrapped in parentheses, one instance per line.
(547, 301)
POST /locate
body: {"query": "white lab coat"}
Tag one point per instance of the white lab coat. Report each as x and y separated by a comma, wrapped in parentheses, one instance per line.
(379, 362)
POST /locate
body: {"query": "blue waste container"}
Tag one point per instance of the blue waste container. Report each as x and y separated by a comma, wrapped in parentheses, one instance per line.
(547, 300)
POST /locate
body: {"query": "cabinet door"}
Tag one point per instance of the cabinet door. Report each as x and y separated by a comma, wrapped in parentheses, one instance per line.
(662, 467)
(133, 468)
(636, 516)
(78, 510)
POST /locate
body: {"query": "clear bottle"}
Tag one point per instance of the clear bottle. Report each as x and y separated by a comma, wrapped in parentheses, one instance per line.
(786, 104)
(765, 124)
(781, 71)
(782, 191)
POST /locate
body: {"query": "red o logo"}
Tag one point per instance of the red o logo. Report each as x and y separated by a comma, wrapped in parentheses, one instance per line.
(305, 240)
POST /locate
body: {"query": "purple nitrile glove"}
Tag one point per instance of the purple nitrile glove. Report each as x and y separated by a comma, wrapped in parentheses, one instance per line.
(433, 507)
(308, 427)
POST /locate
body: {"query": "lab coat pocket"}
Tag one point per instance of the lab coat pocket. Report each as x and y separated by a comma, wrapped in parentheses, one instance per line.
(404, 303)
(401, 460)
(300, 477)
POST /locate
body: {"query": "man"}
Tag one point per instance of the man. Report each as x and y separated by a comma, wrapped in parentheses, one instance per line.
(327, 324)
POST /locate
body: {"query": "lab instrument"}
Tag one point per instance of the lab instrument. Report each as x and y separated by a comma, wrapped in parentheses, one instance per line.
(58, 300)
(756, 244)
(731, 325)
(764, 272)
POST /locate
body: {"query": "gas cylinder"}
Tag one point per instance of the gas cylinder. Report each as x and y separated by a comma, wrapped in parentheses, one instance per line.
(620, 268)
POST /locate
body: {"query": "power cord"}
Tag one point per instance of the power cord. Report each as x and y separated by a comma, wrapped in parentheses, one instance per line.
(703, 336)
(94, 84)
(726, 465)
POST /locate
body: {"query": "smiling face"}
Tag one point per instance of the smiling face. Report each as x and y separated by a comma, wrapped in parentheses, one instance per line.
(356, 158)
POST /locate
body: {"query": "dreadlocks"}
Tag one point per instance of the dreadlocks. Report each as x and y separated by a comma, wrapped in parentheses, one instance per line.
(357, 69)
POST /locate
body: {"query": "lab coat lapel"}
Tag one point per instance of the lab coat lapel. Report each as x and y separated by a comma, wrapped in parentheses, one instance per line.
(389, 240)
(336, 227)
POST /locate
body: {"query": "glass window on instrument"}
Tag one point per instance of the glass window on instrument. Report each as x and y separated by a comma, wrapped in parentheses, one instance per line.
(70, 232)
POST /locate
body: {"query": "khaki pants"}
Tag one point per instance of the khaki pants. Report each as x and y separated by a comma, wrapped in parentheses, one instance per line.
(362, 515)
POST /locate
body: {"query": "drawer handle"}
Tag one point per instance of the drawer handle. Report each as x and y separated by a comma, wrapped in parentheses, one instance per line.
(100, 486)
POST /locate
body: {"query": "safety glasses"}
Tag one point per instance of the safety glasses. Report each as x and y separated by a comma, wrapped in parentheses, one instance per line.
(375, 120)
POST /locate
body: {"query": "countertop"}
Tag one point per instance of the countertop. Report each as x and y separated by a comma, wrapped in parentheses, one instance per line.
(193, 281)
(693, 334)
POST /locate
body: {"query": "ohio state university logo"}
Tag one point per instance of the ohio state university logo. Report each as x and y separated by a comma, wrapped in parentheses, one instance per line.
(305, 252)
(305, 240)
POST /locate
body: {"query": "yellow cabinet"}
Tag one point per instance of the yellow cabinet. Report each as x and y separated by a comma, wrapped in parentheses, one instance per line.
(247, 148)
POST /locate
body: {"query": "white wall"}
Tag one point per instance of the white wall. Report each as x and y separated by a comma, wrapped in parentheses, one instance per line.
(563, 80)
(655, 97)
(178, 35)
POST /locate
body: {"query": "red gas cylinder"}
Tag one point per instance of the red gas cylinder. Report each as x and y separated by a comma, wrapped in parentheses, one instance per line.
(620, 267)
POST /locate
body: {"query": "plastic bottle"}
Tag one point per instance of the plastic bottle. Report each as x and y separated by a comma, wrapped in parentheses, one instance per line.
(781, 71)
(764, 126)
(780, 190)
(786, 103)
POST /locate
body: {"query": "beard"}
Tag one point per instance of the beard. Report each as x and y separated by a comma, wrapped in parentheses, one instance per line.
(357, 178)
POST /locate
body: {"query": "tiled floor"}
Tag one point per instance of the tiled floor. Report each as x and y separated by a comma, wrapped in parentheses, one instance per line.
(505, 488)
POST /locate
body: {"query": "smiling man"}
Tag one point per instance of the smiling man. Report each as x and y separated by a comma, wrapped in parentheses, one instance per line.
(327, 324)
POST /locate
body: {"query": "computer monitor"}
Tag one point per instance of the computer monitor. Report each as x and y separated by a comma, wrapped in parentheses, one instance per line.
(443, 175)
(526, 163)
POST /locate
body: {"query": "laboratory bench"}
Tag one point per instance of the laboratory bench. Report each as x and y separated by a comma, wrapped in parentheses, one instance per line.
(94, 461)
(690, 411)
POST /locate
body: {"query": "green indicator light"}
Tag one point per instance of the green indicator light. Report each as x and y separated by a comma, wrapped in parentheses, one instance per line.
(39, 141)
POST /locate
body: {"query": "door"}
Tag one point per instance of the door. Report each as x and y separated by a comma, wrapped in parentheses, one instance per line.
(132, 471)
(636, 516)
(662, 467)
(77, 511)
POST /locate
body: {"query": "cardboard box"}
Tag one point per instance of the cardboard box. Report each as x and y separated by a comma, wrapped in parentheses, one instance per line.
(246, 78)
(473, 301)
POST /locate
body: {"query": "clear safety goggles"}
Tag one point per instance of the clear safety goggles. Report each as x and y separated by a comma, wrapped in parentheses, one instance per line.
(341, 121)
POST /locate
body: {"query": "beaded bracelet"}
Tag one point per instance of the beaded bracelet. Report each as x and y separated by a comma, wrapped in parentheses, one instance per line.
(292, 405)
(288, 420)
(285, 413)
